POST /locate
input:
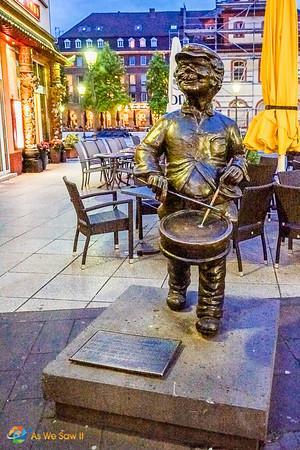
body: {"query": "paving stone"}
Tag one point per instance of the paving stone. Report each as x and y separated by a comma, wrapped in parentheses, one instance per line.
(53, 336)
(28, 385)
(24, 413)
(289, 324)
(285, 403)
(16, 339)
(294, 346)
(285, 360)
(78, 326)
(288, 441)
(7, 381)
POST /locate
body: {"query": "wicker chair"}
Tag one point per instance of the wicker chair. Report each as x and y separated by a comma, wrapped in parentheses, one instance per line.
(251, 218)
(259, 175)
(111, 221)
(289, 178)
(296, 164)
(288, 208)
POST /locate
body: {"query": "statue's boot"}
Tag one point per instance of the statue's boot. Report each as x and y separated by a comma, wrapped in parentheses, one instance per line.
(208, 326)
(176, 300)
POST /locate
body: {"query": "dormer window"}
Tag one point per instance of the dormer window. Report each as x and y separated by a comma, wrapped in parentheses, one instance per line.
(77, 43)
(185, 40)
(120, 43)
(138, 27)
(142, 42)
(131, 43)
(100, 43)
(173, 27)
(89, 43)
(67, 43)
(153, 42)
(99, 28)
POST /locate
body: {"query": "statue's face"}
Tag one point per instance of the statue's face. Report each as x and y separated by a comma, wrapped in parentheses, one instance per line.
(193, 75)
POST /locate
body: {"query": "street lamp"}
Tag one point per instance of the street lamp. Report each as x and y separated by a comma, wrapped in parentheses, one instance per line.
(236, 88)
(90, 57)
(81, 89)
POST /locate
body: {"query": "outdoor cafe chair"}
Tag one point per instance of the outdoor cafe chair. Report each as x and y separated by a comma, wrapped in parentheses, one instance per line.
(296, 164)
(289, 178)
(259, 175)
(254, 206)
(88, 165)
(90, 222)
(288, 209)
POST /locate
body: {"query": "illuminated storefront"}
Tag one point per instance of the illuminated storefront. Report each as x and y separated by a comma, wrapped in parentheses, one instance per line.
(30, 87)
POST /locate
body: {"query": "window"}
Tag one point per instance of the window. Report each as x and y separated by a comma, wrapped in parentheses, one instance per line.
(138, 27)
(173, 27)
(143, 79)
(131, 79)
(142, 42)
(67, 43)
(77, 43)
(100, 43)
(131, 43)
(185, 40)
(239, 111)
(144, 97)
(79, 61)
(99, 28)
(239, 26)
(120, 43)
(153, 42)
(89, 43)
(132, 95)
(132, 60)
(143, 60)
(239, 71)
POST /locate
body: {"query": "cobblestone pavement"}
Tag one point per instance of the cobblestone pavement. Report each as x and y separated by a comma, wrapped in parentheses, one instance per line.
(46, 299)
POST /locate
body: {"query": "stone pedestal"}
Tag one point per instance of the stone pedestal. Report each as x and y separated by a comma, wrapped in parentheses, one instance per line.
(216, 393)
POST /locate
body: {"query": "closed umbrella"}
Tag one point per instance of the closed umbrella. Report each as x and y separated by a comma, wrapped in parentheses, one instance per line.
(174, 94)
(276, 129)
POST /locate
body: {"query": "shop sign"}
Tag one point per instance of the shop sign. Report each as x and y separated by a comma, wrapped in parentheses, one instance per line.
(32, 7)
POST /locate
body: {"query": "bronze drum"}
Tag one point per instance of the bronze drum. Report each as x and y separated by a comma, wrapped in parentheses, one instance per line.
(183, 239)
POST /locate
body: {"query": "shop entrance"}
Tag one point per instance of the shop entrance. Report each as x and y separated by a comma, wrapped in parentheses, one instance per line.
(4, 160)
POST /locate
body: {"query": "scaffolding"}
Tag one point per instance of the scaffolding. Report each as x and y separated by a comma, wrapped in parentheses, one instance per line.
(221, 30)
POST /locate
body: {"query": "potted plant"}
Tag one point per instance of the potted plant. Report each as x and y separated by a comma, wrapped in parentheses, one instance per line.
(44, 152)
(57, 153)
(69, 142)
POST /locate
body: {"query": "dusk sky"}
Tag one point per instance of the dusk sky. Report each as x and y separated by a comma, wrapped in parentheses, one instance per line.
(66, 13)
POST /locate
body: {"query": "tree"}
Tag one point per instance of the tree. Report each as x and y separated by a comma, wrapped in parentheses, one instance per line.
(104, 90)
(157, 84)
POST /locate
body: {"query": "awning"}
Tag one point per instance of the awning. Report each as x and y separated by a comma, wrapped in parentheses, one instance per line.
(40, 39)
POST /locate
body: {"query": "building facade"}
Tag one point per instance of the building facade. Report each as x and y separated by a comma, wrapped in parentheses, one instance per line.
(30, 86)
(233, 29)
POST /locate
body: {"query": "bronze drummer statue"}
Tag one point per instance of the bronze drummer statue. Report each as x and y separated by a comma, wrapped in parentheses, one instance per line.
(202, 148)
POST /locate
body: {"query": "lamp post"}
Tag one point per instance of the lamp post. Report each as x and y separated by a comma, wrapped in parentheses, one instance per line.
(91, 58)
(236, 88)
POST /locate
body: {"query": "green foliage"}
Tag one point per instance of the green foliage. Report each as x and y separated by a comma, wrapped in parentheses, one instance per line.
(70, 140)
(253, 157)
(64, 82)
(103, 83)
(157, 84)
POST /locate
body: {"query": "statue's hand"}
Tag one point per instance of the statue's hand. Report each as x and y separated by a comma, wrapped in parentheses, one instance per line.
(159, 185)
(232, 175)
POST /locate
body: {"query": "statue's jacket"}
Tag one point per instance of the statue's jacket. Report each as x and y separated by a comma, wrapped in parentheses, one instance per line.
(197, 148)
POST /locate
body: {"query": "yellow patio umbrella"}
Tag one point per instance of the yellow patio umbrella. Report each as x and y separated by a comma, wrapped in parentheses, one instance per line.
(277, 129)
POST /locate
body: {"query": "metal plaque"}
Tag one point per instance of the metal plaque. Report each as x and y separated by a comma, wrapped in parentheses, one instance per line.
(128, 353)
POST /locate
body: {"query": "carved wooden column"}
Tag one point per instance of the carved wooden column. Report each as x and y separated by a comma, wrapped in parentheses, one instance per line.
(31, 161)
(57, 90)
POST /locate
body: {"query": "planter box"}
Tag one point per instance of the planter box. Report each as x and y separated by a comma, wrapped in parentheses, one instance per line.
(71, 153)
(55, 156)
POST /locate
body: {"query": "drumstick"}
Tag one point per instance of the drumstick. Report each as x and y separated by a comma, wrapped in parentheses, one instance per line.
(208, 209)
